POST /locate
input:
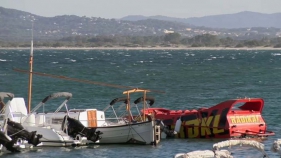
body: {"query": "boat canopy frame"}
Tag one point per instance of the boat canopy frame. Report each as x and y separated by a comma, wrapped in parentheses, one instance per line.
(136, 90)
(67, 96)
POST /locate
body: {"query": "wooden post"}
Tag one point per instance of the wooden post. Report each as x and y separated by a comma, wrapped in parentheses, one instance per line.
(30, 72)
(144, 102)
(129, 107)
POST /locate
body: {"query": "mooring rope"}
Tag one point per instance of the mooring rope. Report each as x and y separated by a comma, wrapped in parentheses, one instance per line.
(82, 80)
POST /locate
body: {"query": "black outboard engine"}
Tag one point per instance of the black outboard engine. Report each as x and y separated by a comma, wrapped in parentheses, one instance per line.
(75, 127)
(16, 131)
(8, 142)
(165, 129)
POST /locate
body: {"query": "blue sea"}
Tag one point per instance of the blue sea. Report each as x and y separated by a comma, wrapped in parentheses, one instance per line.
(190, 79)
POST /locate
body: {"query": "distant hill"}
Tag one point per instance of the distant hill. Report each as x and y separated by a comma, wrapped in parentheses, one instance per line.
(16, 25)
(244, 19)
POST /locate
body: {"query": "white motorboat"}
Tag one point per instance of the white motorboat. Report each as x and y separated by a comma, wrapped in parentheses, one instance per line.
(50, 127)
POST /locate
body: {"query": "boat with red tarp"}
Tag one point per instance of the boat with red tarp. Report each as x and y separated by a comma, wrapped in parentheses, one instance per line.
(235, 118)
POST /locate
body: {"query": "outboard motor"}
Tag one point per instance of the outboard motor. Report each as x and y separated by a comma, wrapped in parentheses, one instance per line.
(16, 131)
(8, 142)
(74, 127)
(165, 131)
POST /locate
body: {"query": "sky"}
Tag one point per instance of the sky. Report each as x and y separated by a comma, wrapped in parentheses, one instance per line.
(121, 8)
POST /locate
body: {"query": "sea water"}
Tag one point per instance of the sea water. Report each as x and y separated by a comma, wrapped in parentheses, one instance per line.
(190, 79)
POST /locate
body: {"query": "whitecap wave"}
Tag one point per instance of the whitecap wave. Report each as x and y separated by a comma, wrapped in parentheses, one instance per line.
(187, 54)
(276, 54)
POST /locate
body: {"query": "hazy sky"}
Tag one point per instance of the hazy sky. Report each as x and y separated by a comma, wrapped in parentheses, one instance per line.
(121, 8)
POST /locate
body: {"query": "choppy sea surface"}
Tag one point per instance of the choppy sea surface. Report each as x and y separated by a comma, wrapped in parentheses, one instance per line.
(190, 79)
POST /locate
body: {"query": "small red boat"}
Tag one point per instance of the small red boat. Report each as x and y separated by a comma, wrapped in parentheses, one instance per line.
(236, 118)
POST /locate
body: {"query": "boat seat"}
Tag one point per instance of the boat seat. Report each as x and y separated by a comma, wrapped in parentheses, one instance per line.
(16, 110)
(186, 111)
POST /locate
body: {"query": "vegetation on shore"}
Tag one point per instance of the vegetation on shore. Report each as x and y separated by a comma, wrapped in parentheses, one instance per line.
(168, 40)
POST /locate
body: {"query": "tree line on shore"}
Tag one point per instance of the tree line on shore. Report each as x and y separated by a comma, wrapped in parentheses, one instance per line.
(168, 40)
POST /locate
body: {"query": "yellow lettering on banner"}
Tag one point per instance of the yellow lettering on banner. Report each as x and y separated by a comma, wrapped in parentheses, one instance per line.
(258, 118)
(238, 120)
(249, 119)
(193, 132)
(242, 119)
(245, 119)
(216, 125)
(205, 126)
(233, 120)
(254, 119)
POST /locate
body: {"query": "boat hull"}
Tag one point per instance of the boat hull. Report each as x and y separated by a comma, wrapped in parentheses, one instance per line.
(138, 133)
(54, 138)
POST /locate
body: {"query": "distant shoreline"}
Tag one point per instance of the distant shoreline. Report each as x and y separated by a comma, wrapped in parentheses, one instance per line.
(139, 48)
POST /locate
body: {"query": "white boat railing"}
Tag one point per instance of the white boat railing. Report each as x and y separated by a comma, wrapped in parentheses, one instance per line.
(16, 116)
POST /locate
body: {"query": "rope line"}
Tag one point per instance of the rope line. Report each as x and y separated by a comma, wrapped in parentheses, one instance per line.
(82, 80)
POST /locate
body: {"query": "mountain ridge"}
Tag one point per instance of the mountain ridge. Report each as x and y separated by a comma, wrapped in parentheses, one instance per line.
(16, 26)
(243, 19)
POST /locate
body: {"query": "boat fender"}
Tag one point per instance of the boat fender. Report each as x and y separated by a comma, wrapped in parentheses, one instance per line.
(178, 126)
